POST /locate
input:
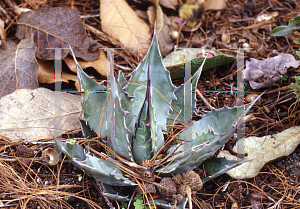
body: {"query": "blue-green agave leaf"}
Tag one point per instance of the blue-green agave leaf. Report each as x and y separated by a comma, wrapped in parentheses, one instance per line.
(126, 102)
(150, 70)
(122, 80)
(93, 97)
(195, 150)
(161, 82)
(96, 101)
(142, 146)
(218, 166)
(72, 151)
(165, 204)
(112, 194)
(178, 103)
(101, 170)
(119, 134)
(147, 139)
(86, 130)
(205, 137)
(220, 120)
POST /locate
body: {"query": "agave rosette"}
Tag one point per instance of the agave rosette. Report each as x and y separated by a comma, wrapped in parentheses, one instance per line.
(135, 114)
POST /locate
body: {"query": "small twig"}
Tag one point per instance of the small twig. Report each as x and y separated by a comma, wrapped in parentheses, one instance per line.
(204, 100)
(131, 198)
(257, 25)
(3, 11)
(167, 156)
(123, 67)
(88, 16)
(179, 31)
(242, 20)
(22, 158)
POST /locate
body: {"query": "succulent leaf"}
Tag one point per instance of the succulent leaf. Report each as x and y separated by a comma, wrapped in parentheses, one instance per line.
(122, 80)
(178, 103)
(126, 102)
(165, 204)
(113, 194)
(161, 82)
(146, 84)
(141, 148)
(116, 118)
(195, 151)
(217, 166)
(93, 97)
(163, 89)
(205, 137)
(215, 120)
(148, 132)
(133, 116)
(101, 170)
(86, 130)
(72, 151)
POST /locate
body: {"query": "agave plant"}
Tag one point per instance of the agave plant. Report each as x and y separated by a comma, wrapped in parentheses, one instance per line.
(136, 119)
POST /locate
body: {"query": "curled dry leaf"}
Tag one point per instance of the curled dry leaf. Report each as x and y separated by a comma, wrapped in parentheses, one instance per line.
(18, 66)
(164, 39)
(100, 64)
(120, 22)
(52, 28)
(88, 50)
(29, 114)
(263, 150)
(269, 70)
(155, 15)
(46, 73)
(142, 14)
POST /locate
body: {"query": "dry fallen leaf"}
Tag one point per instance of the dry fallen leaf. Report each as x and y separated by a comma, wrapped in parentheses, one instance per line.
(263, 150)
(18, 66)
(269, 70)
(120, 21)
(100, 64)
(214, 5)
(53, 28)
(156, 15)
(46, 74)
(171, 4)
(2, 33)
(29, 114)
(191, 13)
(88, 50)
(165, 42)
